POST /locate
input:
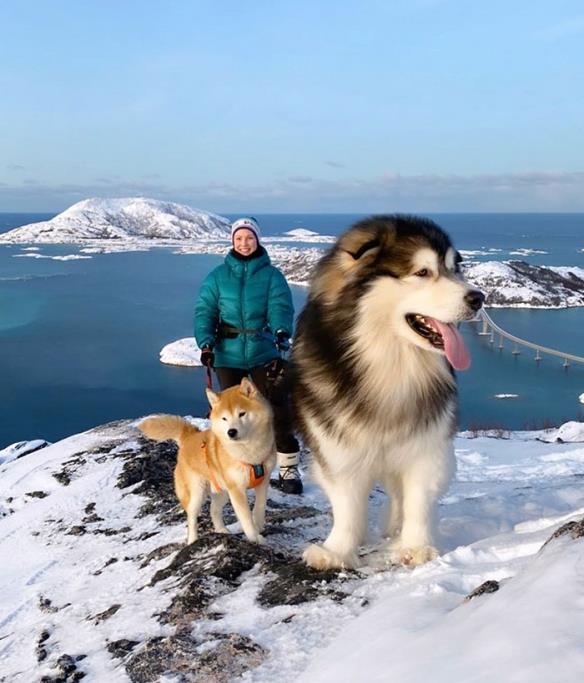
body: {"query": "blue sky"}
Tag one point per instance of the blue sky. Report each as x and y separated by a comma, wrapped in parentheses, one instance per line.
(271, 105)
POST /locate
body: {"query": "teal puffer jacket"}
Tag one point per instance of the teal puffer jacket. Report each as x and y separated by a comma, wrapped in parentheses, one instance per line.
(249, 294)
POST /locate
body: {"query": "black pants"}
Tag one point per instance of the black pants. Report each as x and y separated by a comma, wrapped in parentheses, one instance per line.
(279, 398)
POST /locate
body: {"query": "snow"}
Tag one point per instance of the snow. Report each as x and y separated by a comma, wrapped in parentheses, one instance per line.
(504, 396)
(522, 251)
(64, 257)
(181, 352)
(529, 630)
(412, 625)
(581, 398)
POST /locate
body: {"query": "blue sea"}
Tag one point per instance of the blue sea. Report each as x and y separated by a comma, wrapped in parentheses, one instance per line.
(80, 340)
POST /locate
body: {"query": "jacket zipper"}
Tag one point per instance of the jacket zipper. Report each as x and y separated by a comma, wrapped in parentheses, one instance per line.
(243, 279)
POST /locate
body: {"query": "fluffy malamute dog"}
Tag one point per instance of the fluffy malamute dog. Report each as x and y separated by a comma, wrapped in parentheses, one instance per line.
(237, 453)
(374, 391)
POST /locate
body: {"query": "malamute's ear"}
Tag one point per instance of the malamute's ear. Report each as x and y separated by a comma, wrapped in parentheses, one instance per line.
(248, 388)
(362, 244)
(212, 397)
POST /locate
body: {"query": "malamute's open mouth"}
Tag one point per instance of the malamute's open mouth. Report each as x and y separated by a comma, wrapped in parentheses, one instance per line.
(442, 336)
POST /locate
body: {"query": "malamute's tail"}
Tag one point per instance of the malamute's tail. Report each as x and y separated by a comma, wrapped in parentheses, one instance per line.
(163, 427)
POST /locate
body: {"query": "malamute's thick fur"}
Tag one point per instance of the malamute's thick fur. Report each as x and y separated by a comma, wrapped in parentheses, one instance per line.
(374, 390)
(221, 460)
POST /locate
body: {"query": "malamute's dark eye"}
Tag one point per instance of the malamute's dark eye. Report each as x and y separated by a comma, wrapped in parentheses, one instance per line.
(424, 272)
(242, 414)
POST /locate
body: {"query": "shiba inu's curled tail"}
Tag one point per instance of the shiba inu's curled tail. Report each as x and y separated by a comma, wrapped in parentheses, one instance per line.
(164, 427)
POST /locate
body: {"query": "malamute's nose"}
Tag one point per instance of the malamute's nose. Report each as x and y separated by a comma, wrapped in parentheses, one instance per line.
(474, 299)
(232, 433)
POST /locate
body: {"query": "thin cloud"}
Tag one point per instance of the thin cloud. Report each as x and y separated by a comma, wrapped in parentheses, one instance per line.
(528, 191)
(563, 29)
(15, 167)
(300, 179)
(334, 164)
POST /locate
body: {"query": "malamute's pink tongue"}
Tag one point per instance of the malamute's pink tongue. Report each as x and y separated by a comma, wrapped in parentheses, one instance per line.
(454, 346)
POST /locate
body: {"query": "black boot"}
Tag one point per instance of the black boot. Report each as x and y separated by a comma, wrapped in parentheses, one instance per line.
(289, 480)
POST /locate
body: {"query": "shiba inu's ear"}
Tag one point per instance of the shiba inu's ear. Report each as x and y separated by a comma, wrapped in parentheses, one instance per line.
(212, 397)
(248, 388)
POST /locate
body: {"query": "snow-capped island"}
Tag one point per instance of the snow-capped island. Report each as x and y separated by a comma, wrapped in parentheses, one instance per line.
(128, 219)
(301, 235)
(523, 285)
(137, 223)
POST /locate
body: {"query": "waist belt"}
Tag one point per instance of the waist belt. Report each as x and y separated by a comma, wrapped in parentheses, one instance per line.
(230, 332)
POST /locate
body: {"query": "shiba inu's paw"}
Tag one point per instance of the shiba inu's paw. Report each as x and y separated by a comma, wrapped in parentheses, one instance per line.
(412, 557)
(221, 530)
(321, 558)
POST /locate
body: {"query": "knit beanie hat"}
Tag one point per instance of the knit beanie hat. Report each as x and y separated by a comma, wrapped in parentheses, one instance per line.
(247, 223)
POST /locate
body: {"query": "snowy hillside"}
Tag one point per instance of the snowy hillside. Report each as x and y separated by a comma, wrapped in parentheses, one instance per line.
(96, 580)
(129, 218)
(521, 284)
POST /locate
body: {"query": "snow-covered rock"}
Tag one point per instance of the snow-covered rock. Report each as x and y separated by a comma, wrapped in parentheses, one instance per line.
(181, 352)
(569, 432)
(520, 284)
(123, 219)
(581, 398)
(20, 449)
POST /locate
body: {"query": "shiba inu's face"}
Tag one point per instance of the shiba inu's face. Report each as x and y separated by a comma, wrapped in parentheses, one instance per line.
(237, 412)
(406, 276)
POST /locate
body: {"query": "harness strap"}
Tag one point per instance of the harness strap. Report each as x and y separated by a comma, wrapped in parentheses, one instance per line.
(257, 473)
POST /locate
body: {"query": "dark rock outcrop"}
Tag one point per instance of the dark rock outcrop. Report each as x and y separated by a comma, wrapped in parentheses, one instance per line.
(486, 587)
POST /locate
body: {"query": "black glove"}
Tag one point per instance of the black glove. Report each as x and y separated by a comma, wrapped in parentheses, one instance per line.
(207, 357)
(282, 341)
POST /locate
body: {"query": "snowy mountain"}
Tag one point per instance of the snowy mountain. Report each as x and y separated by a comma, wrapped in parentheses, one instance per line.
(123, 219)
(97, 581)
(521, 284)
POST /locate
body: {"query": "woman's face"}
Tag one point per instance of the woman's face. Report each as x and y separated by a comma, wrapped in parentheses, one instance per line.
(245, 242)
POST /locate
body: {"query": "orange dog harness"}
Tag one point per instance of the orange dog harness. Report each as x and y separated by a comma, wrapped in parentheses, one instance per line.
(257, 473)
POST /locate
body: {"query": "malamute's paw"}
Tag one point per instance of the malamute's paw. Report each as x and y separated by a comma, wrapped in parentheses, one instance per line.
(321, 558)
(260, 524)
(256, 538)
(412, 557)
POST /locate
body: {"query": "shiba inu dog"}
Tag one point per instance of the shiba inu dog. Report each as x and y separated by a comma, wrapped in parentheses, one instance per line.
(238, 452)
(375, 392)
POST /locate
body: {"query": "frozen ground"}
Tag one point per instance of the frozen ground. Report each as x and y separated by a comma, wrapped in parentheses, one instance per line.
(93, 581)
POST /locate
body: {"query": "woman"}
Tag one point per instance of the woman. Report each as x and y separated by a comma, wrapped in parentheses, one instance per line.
(243, 321)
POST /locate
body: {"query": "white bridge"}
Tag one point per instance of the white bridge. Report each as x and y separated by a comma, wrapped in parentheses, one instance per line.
(497, 334)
